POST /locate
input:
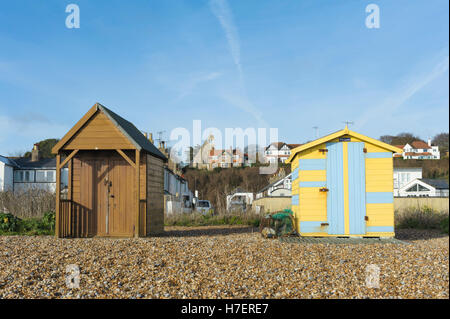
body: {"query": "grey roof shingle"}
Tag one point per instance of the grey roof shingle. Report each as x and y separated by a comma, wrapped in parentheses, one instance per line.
(130, 131)
(436, 183)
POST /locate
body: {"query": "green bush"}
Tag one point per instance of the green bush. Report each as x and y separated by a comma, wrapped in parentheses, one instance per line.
(444, 225)
(9, 222)
(11, 225)
(420, 218)
(197, 219)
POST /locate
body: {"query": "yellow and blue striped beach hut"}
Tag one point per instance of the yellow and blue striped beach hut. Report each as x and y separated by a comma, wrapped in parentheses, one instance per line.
(342, 185)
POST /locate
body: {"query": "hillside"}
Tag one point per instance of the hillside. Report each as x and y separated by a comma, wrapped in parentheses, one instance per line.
(215, 185)
(430, 168)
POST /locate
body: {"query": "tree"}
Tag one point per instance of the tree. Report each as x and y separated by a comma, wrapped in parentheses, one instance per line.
(399, 139)
(441, 140)
(45, 148)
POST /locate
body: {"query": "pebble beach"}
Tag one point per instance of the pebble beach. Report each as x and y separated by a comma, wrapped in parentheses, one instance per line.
(222, 262)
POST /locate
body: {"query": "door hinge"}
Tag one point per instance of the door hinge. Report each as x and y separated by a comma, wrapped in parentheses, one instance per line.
(366, 218)
(323, 189)
(365, 150)
(324, 224)
(323, 150)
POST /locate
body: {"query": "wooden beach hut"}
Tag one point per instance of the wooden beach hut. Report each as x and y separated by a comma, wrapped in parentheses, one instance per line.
(342, 185)
(116, 179)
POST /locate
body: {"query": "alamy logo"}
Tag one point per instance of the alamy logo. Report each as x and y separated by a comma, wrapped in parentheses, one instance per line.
(372, 276)
(73, 19)
(373, 19)
(73, 276)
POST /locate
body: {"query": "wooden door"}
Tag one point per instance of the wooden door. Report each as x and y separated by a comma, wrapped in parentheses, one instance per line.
(122, 199)
(114, 198)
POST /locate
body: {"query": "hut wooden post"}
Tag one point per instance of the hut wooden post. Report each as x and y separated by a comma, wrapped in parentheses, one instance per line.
(138, 206)
(58, 194)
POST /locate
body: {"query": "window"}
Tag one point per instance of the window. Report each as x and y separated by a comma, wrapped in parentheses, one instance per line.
(412, 189)
(23, 176)
(45, 176)
(422, 188)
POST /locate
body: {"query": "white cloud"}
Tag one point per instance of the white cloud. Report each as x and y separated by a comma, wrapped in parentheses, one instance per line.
(222, 11)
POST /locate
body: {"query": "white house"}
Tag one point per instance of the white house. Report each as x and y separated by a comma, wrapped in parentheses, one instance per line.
(404, 175)
(6, 174)
(177, 196)
(22, 173)
(419, 150)
(278, 151)
(279, 188)
(425, 188)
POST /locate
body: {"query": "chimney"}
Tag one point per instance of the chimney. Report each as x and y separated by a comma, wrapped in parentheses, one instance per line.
(35, 153)
(151, 138)
(429, 142)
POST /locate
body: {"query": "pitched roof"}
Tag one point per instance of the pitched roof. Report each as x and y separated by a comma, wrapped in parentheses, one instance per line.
(420, 144)
(278, 145)
(291, 146)
(127, 128)
(26, 163)
(340, 133)
(8, 161)
(436, 183)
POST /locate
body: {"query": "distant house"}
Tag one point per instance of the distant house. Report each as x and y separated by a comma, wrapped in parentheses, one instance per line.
(177, 196)
(278, 151)
(422, 187)
(279, 188)
(404, 175)
(419, 150)
(23, 173)
(226, 158)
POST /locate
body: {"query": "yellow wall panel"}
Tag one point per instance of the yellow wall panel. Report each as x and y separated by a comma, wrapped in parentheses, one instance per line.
(380, 214)
(314, 153)
(313, 176)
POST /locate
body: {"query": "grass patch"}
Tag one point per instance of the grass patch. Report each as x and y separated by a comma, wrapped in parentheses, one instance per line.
(421, 218)
(197, 219)
(12, 225)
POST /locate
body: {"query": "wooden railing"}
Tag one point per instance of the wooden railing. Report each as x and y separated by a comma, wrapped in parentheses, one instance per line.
(74, 219)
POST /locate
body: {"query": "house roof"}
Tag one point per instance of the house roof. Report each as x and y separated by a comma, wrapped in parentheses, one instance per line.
(420, 144)
(436, 183)
(291, 146)
(127, 128)
(278, 145)
(416, 154)
(275, 182)
(26, 163)
(340, 133)
(8, 161)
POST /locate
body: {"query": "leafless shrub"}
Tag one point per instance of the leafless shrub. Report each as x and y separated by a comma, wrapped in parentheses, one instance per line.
(419, 218)
(30, 203)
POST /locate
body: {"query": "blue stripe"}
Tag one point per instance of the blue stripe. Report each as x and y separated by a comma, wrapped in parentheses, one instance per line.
(379, 197)
(379, 155)
(295, 174)
(294, 199)
(313, 227)
(335, 182)
(312, 164)
(356, 188)
(313, 184)
(380, 229)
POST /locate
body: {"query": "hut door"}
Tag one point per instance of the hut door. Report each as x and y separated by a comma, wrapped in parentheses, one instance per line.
(346, 202)
(356, 188)
(114, 198)
(122, 203)
(335, 185)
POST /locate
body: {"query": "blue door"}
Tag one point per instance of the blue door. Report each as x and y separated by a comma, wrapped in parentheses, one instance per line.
(335, 185)
(356, 188)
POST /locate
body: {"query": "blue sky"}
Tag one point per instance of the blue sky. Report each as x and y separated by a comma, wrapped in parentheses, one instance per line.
(288, 64)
